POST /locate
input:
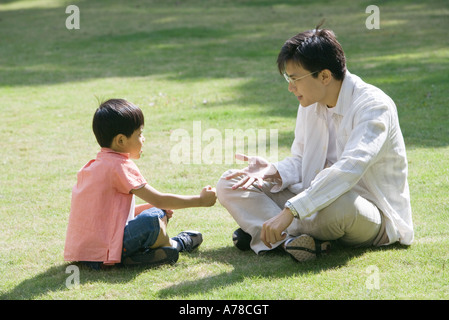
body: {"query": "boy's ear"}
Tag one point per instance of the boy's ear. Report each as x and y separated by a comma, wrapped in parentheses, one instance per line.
(119, 141)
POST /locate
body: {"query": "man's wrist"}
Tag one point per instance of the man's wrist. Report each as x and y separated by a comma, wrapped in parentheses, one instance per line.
(292, 209)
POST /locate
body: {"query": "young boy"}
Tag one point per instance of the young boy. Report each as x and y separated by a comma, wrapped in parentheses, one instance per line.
(105, 226)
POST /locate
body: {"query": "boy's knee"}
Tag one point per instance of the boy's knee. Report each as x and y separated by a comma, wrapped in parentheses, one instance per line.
(152, 213)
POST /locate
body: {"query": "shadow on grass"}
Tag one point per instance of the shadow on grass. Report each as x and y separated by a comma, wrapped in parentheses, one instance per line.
(274, 264)
(54, 279)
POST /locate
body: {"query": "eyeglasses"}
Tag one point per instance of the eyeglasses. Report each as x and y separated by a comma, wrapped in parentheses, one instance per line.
(292, 81)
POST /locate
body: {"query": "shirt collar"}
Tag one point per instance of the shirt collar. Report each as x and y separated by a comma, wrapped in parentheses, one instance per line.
(108, 151)
(345, 95)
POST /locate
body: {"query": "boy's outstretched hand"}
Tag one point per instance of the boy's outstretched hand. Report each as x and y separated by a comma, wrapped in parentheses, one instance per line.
(208, 196)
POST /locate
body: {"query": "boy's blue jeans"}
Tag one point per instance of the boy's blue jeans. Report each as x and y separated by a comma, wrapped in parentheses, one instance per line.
(141, 232)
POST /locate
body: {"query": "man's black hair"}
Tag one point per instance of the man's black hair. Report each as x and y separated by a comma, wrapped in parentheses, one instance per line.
(314, 50)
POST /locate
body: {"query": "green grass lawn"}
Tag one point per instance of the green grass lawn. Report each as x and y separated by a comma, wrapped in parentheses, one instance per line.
(210, 61)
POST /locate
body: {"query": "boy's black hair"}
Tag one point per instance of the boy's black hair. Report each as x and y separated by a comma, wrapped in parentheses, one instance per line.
(314, 50)
(113, 117)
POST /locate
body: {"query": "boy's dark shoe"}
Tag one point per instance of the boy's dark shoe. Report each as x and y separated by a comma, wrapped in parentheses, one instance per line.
(153, 257)
(241, 239)
(189, 240)
(94, 265)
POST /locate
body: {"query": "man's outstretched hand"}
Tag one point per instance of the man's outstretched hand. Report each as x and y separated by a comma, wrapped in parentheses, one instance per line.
(258, 169)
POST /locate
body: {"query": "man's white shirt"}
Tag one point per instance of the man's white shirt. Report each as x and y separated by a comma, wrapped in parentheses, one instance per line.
(358, 146)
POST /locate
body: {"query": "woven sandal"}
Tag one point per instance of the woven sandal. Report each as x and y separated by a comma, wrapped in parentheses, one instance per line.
(304, 247)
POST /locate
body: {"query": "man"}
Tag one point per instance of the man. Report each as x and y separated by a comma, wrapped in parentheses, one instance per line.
(346, 179)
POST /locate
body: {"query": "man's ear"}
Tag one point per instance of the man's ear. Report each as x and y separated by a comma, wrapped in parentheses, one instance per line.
(325, 76)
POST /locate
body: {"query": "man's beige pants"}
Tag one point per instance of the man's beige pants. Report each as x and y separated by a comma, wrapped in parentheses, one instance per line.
(351, 219)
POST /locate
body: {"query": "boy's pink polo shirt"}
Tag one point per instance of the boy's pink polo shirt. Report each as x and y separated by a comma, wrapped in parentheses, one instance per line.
(101, 202)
